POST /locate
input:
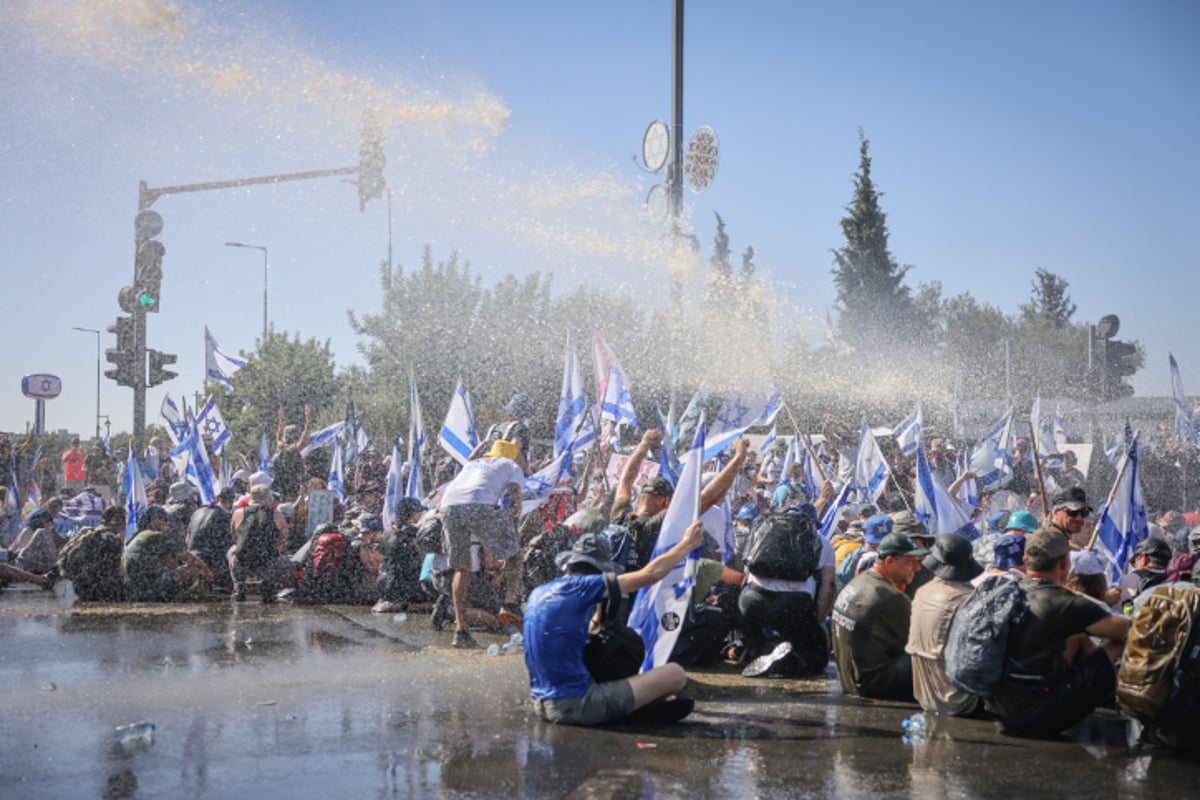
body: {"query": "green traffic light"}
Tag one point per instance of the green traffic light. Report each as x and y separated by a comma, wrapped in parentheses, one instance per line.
(145, 299)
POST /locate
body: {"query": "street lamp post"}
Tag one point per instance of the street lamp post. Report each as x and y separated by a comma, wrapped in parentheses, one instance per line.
(264, 252)
(93, 330)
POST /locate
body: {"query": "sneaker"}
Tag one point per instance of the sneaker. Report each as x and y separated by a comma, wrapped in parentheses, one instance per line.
(239, 593)
(387, 607)
(764, 664)
(464, 640)
(510, 617)
(441, 615)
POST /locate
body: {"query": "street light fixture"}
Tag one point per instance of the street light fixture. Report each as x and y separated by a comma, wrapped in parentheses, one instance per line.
(264, 252)
(93, 330)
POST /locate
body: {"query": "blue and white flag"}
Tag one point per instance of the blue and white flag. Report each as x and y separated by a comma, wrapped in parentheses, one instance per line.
(990, 459)
(617, 406)
(968, 492)
(337, 474)
(176, 428)
(934, 506)
(200, 469)
(225, 478)
(739, 413)
(668, 462)
(134, 490)
(210, 421)
(458, 436)
(360, 436)
(765, 447)
(812, 473)
(264, 454)
(537, 487)
(685, 431)
(1121, 522)
(908, 433)
(1042, 430)
(416, 441)
(1189, 432)
(324, 437)
(107, 450)
(1060, 430)
(791, 456)
(829, 521)
(659, 609)
(571, 402)
(219, 366)
(394, 490)
(871, 470)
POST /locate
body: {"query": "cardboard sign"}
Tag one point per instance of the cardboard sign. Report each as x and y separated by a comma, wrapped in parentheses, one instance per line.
(320, 509)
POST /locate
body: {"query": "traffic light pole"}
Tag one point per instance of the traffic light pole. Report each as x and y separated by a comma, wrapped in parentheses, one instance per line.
(139, 386)
(147, 195)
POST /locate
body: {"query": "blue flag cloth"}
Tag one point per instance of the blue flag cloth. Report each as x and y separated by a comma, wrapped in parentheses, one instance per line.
(1185, 423)
(829, 521)
(337, 474)
(739, 413)
(537, 487)
(765, 447)
(871, 470)
(1042, 429)
(364, 441)
(200, 467)
(416, 441)
(659, 609)
(1121, 523)
(394, 490)
(458, 436)
(812, 475)
(668, 462)
(324, 437)
(571, 402)
(134, 490)
(908, 433)
(934, 506)
(685, 431)
(176, 428)
(264, 454)
(219, 366)
(617, 407)
(990, 459)
(210, 421)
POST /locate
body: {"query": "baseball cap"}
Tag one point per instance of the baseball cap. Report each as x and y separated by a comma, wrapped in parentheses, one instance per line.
(897, 544)
(1073, 499)
(1021, 521)
(260, 479)
(658, 486)
(1084, 562)
(1046, 545)
(996, 522)
(1157, 549)
(877, 528)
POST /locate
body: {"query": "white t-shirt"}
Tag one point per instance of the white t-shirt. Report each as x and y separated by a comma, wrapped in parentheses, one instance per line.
(809, 585)
(482, 481)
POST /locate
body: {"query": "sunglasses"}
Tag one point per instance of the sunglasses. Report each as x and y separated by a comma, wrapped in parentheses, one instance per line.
(1079, 512)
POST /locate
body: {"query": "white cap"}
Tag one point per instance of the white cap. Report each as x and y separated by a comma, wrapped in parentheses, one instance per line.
(260, 479)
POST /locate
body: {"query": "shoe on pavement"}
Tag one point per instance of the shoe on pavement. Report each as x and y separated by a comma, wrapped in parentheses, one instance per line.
(464, 640)
(764, 664)
(510, 617)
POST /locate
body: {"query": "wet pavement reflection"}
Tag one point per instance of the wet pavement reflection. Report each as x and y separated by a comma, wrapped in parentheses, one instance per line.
(337, 702)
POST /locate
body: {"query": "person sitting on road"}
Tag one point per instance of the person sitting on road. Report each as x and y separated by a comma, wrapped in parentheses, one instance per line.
(933, 610)
(36, 547)
(557, 618)
(871, 622)
(1150, 559)
(399, 576)
(1008, 558)
(153, 569)
(1060, 675)
(260, 537)
(92, 559)
(860, 559)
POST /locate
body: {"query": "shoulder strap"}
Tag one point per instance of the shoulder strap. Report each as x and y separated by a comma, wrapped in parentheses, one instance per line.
(612, 604)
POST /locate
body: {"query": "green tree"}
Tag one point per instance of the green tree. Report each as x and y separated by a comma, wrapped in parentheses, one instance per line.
(1049, 304)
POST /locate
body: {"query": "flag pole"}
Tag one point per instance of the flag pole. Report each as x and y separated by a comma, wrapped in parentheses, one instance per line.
(1113, 491)
(1037, 468)
(807, 444)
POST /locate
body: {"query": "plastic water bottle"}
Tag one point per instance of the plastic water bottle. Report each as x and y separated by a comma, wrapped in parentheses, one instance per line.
(493, 650)
(915, 730)
(401, 617)
(506, 649)
(517, 640)
(135, 732)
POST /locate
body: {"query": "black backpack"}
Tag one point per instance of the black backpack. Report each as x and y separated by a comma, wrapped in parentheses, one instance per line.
(783, 546)
(257, 537)
(541, 553)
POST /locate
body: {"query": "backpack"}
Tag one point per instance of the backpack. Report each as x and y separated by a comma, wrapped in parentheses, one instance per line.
(325, 558)
(1159, 678)
(540, 556)
(783, 546)
(620, 543)
(976, 651)
(257, 537)
(91, 560)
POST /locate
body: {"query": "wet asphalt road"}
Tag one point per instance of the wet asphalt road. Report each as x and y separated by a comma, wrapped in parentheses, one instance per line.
(286, 701)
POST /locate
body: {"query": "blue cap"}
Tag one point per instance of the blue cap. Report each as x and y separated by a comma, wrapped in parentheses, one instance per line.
(996, 521)
(747, 512)
(368, 523)
(877, 527)
(1008, 551)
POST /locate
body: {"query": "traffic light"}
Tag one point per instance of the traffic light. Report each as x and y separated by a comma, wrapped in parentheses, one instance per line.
(147, 261)
(124, 355)
(157, 373)
(371, 160)
(1121, 359)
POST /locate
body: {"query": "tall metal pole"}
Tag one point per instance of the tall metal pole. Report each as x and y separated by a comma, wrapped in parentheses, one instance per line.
(676, 174)
(264, 252)
(93, 330)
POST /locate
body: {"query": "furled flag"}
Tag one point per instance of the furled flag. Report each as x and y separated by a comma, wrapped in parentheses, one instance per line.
(416, 441)
(107, 450)
(668, 462)
(218, 366)
(968, 492)
(360, 436)
(908, 432)
(264, 453)
(1060, 430)
(337, 473)
(349, 437)
(1189, 431)
(1042, 429)
(934, 506)
(211, 422)
(1121, 522)
(989, 459)
(790, 456)
(394, 489)
(32, 490)
(739, 413)
(176, 428)
(812, 472)
(571, 401)
(659, 609)
(685, 431)
(134, 490)
(871, 470)
(324, 437)
(458, 436)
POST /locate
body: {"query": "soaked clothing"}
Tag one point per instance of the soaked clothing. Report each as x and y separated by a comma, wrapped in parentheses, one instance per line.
(209, 538)
(642, 529)
(933, 610)
(143, 570)
(557, 615)
(870, 631)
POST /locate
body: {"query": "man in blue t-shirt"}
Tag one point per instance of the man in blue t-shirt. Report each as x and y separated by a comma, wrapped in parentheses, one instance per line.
(557, 617)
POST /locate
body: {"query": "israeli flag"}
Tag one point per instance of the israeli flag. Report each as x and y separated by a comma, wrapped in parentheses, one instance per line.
(218, 366)
(458, 436)
(990, 459)
(200, 468)
(1189, 432)
(360, 435)
(668, 462)
(264, 454)
(1060, 430)
(934, 506)
(176, 428)
(134, 490)
(337, 474)
(416, 441)
(969, 491)
(1042, 430)
(537, 487)
(210, 421)
(181, 458)
(791, 456)
(829, 521)
(686, 429)
(765, 447)
(1121, 524)
(107, 450)
(908, 433)
(740, 413)
(324, 437)
(617, 407)
(571, 402)
(871, 470)
(394, 490)
(659, 609)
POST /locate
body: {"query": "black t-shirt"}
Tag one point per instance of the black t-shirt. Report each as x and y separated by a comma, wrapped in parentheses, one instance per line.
(287, 471)
(642, 529)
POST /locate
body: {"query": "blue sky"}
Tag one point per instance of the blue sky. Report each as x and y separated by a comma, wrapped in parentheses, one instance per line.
(1006, 137)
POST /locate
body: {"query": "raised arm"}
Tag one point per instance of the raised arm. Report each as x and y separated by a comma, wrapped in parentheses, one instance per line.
(650, 439)
(303, 443)
(719, 486)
